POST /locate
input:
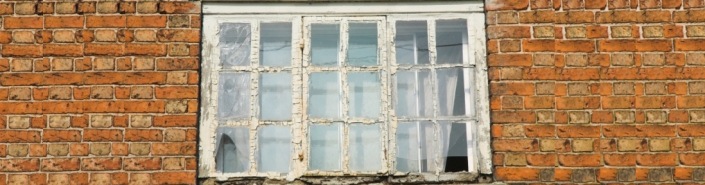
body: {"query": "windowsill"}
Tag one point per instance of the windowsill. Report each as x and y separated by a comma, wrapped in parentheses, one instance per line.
(414, 178)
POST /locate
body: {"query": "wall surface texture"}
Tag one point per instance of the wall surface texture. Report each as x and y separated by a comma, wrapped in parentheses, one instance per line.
(98, 92)
(597, 90)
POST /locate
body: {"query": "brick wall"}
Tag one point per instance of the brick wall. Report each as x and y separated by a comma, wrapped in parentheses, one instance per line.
(98, 92)
(597, 90)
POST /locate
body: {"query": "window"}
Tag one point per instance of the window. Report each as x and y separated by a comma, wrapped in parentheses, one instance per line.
(291, 90)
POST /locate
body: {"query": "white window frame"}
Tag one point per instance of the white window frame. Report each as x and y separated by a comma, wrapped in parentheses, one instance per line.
(216, 12)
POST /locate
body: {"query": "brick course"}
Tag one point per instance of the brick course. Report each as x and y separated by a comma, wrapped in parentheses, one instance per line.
(612, 90)
(98, 92)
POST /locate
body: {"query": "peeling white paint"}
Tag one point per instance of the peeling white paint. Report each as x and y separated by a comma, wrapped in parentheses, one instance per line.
(474, 64)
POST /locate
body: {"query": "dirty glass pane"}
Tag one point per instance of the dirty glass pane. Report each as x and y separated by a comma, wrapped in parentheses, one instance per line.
(324, 95)
(411, 42)
(275, 44)
(413, 93)
(452, 91)
(274, 144)
(232, 153)
(234, 44)
(362, 44)
(365, 147)
(275, 98)
(449, 41)
(365, 94)
(416, 147)
(325, 43)
(454, 146)
(325, 147)
(233, 96)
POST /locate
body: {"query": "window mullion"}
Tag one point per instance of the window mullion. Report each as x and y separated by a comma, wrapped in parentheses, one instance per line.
(297, 115)
(254, 88)
(434, 93)
(342, 65)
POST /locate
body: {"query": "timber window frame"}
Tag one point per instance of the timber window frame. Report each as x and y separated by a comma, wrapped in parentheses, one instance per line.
(385, 14)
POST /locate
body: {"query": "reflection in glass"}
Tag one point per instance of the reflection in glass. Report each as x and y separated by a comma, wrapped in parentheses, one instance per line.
(365, 94)
(449, 41)
(275, 44)
(233, 96)
(416, 147)
(365, 147)
(232, 154)
(325, 147)
(413, 93)
(275, 96)
(274, 148)
(234, 44)
(325, 43)
(324, 95)
(362, 44)
(411, 42)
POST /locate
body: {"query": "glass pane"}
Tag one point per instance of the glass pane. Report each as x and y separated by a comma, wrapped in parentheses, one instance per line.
(362, 47)
(365, 94)
(324, 95)
(233, 96)
(411, 42)
(325, 147)
(325, 43)
(365, 147)
(234, 44)
(452, 92)
(275, 98)
(416, 147)
(232, 154)
(454, 144)
(449, 41)
(275, 44)
(413, 93)
(274, 144)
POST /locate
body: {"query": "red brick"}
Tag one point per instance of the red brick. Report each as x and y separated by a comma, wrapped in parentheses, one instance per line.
(141, 164)
(61, 164)
(661, 159)
(180, 35)
(169, 149)
(19, 136)
(176, 92)
(175, 121)
(24, 22)
(143, 135)
(102, 135)
(63, 21)
(517, 174)
(22, 51)
(578, 131)
(61, 135)
(104, 49)
(580, 160)
(106, 21)
(146, 21)
(66, 50)
(616, 159)
(177, 64)
(19, 165)
(145, 49)
(173, 178)
(101, 164)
